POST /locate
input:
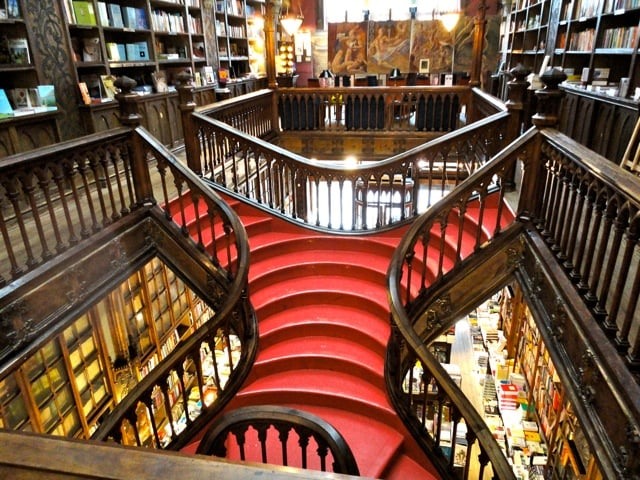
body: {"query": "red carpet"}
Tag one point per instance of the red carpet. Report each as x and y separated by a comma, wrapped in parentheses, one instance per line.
(323, 317)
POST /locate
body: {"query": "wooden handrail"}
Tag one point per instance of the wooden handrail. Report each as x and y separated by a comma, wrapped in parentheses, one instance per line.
(38, 457)
(329, 443)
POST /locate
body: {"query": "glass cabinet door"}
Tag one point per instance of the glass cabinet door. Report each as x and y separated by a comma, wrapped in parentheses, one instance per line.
(51, 391)
(13, 411)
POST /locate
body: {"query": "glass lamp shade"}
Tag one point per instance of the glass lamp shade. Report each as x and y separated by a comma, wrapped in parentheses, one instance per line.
(449, 20)
(291, 23)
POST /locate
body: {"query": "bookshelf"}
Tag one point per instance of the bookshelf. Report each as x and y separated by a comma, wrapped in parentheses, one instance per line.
(524, 33)
(595, 42)
(239, 27)
(150, 41)
(28, 109)
(545, 403)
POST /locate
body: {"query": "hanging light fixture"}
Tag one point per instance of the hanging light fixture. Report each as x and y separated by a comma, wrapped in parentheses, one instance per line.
(291, 22)
(449, 20)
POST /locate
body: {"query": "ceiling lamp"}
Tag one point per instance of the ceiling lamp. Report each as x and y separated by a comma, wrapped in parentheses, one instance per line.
(291, 22)
(449, 20)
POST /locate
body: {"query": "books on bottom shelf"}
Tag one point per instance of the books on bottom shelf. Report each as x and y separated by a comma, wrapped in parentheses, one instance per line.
(27, 101)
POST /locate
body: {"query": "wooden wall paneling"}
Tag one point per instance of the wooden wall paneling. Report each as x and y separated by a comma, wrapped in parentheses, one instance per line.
(604, 117)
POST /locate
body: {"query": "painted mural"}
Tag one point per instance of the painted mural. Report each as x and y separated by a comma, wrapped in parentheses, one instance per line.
(410, 45)
(348, 48)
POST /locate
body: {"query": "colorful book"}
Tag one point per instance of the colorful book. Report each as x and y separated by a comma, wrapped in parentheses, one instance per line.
(19, 51)
(108, 85)
(84, 93)
(47, 95)
(113, 53)
(91, 49)
(129, 17)
(84, 13)
(103, 14)
(5, 106)
(141, 19)
(115, 15)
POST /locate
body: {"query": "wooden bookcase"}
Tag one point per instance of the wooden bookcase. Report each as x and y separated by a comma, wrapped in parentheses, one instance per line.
(524, 33)
(591, 40)
(596, 44)
(20, 71)
(547, 404)
(240, 37)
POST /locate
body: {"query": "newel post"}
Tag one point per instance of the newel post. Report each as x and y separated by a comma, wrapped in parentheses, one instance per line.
(187, 105)
(130, 117)
(549, 99)
(517, 91)
(548, 102)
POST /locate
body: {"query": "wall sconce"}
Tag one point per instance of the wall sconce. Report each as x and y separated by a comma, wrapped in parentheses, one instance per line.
(365, 14)
(291, 22)
(413, 11)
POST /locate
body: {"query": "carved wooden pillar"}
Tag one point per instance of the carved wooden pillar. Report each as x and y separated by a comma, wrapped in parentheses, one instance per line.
(271, 18)
(130, 117)
(187, 107)
(480, 26)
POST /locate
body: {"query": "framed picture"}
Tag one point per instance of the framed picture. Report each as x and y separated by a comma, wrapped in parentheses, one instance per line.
(424, 65)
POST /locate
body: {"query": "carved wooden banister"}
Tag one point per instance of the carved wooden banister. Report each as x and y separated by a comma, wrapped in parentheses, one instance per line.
(280, 449)
(575, 256)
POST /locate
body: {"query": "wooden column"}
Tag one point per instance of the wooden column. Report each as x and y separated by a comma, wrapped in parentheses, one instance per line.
(549, 98)
(480, 26)
(547, 116)
(270, 21)
(517, 89)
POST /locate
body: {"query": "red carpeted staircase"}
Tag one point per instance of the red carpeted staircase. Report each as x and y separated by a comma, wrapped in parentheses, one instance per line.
(323, 316)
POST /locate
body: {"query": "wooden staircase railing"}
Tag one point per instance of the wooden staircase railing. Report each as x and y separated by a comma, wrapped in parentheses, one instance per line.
(298, 432)
(60, 201)
(577, 221)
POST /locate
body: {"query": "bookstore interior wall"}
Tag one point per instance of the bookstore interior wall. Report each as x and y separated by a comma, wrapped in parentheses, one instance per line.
(68, 53)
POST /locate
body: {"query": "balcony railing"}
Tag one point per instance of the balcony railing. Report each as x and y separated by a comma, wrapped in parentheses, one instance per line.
(337, 195)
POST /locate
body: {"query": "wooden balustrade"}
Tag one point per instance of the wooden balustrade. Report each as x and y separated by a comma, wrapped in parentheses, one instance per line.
(372, 109)
(338, 195)
(305, 440)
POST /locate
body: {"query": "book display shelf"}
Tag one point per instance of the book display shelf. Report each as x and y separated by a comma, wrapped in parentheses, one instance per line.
(594, 42)
(28, 108)
(151, 41)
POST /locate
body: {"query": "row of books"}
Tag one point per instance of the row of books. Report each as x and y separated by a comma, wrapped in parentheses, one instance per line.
(232, 7)
(623, 37)
(81, 12)
(235, 31)
(14, 51)
(25, 101)
(168, 21)
(582, 41)
(129, 52)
